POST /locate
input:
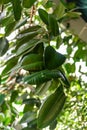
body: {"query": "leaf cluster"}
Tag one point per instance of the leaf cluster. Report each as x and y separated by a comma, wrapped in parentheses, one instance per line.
(35, 76)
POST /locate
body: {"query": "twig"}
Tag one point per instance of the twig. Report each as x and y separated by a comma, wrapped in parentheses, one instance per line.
(32, 14)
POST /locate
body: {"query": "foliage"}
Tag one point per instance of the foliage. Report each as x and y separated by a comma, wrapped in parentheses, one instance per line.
(37, 80)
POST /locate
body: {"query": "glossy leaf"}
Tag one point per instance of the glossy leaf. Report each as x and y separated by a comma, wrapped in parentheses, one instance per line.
(34, 66)
(31, 58)
(4, 45)
(9, 65)
(21, 23)
(43, 15)
(39, 48)
(53, 25)
(30, 29)
(32, 101)
(51, 108)
(17, 9)
(23, 38)
(42, 76)
(65, 80)
(28, 34)
(56, 59)
(29, 46)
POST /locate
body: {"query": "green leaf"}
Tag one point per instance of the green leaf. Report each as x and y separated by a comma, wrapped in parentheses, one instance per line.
(28, 3)
(27, 34)
(7, 20)
(56, 59)
(9, 28)
(31, 58)
(53, 25)
(32, 101)
(28, 107)
(59, 41)
(33, 62)
(49, 4)
(2, 97)
(73, 15)
(0, 79)
(23, 38)
(54, 84)
(32, 125)
(53, 125)
(27, 128)
(6, 1)
(7, 120)
(9, 65)
(39, 49)
(42, 88)
(14, 95)
(30, 29)
(0, 2)
(65, 80)
(17, 9)
(51, 108)
(26, 46)
(70, 68)
(28, 117)
(29, 45)
(4, 45)
(2, 117)
(42, 76)
(43, 15)
(34, 66)
(21, 23)
(15, 68)
(59, 10)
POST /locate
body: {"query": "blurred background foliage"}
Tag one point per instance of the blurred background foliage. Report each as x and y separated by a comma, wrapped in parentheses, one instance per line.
(25, 29)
